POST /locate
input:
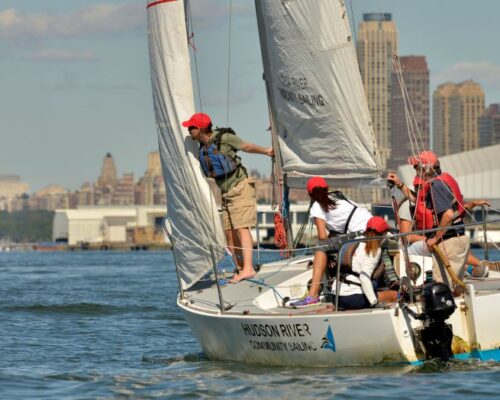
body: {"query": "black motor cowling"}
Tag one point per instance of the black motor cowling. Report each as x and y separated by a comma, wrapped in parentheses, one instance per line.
(435, 335)
(437, 301)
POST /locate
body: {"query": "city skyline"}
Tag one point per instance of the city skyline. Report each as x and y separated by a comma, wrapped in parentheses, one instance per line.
(76, 76)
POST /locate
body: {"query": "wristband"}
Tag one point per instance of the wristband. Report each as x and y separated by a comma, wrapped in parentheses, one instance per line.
(400, 186)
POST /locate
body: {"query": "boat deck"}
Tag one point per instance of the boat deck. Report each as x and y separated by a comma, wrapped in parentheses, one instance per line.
(267, 293)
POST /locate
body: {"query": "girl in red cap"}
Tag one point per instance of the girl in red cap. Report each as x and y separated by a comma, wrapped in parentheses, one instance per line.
(356, 289)
(332, 216)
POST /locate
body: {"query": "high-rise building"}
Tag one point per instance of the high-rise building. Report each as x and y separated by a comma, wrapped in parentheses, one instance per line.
(108, 175)
(86, 195)
(377, 44)
(441, 118)
(124, 190)
(457, 108)
(11, 186)
(150, 189)
(51, 197)
(410, 113)
(154, 164)
(489, 126)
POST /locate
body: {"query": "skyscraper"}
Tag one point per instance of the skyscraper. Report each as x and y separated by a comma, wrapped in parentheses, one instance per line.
(441, 118)
(108, 172)
(489, 126)
(457, 108)
(154, 164)
(409, 120)
(125, 190)
(377, 43)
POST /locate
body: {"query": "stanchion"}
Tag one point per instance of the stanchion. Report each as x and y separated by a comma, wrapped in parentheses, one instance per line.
(485, 234)
(219, 291)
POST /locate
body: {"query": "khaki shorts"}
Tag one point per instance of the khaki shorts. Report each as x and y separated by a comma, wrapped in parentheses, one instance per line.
(239, 207)
(456, 250)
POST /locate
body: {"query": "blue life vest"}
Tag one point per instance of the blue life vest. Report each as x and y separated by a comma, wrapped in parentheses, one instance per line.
(214, 163)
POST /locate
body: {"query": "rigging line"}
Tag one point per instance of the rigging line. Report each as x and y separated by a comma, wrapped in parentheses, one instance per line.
(397, 70)
(409, 108)
(467, 212)
(229, 59)
(409, 124)
(191, 43)
(353, 24)
(414, 119)
(190, 38)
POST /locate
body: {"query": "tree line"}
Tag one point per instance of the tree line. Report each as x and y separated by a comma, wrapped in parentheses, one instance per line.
(26, 226)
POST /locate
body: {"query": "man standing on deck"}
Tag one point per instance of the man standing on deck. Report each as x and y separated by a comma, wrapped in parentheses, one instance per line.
(219, 160)
(444, 198)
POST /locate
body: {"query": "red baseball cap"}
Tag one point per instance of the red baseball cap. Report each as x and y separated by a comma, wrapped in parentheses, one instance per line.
(377, 224)
(425, 158)
(316, 181)
(418, 180)
(198, 120)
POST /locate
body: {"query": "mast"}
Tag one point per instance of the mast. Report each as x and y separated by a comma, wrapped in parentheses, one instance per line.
(282, 178)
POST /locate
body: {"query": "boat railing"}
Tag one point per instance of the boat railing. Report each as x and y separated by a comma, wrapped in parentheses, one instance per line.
(220, 276)
(403, 236)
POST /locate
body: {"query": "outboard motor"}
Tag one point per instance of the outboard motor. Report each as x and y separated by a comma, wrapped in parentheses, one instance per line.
(437, 306)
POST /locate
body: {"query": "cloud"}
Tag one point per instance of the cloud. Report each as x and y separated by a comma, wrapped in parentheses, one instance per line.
(52, 55)
(92, 20)
(485, 73)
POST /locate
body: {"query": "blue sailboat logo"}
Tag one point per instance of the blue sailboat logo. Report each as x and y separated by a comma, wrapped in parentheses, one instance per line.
(328, 340)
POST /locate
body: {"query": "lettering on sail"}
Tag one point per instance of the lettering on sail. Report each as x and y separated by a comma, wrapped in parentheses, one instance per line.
(295, 89)
(264, 335)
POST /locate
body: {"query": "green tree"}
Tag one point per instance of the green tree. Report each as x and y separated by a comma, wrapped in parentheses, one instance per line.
(26, 226)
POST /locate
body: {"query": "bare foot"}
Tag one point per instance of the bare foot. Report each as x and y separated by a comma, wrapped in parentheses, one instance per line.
(241, 276)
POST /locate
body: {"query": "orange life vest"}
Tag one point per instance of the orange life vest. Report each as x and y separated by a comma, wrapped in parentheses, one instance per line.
(424, 217)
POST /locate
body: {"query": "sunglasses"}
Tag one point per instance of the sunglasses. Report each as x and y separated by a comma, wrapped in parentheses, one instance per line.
(190, 128)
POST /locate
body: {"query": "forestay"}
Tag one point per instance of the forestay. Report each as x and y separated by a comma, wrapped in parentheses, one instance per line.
(318, 105)
(192, 214)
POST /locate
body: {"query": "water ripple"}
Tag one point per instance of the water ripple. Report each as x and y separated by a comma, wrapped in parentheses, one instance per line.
(105, 325)
(77, 308)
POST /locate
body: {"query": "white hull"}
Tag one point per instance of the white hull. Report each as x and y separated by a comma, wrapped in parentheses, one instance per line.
(259, 331)
(301, 340)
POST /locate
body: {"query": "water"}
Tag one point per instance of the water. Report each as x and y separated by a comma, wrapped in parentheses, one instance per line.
(104, 325)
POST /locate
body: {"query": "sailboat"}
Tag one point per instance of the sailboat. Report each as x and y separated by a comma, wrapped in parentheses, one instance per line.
(321, 126)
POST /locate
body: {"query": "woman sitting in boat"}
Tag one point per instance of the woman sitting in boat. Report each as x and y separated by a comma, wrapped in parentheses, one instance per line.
(332, 216)
(356, 288)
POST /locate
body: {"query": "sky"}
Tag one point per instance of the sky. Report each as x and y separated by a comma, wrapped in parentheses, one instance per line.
(75, 81)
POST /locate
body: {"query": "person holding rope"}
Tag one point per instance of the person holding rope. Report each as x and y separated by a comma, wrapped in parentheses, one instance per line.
(443, 197)
(219, 160)
(332, 216)
(413, 215)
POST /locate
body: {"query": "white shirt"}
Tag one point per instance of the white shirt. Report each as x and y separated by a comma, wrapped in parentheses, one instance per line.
(364, 264)
(336, 219)
(404, 211)
(418, 248)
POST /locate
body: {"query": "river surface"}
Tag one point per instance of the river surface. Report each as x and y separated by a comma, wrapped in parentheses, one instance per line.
(104, 325)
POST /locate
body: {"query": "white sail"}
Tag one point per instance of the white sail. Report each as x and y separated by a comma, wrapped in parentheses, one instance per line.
(317, 100)
(194, 221)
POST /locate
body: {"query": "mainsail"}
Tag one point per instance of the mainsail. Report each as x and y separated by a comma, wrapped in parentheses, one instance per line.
(318, 105)
(195, 226)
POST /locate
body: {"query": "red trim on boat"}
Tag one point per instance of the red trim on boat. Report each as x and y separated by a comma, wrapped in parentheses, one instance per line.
(159, 2)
